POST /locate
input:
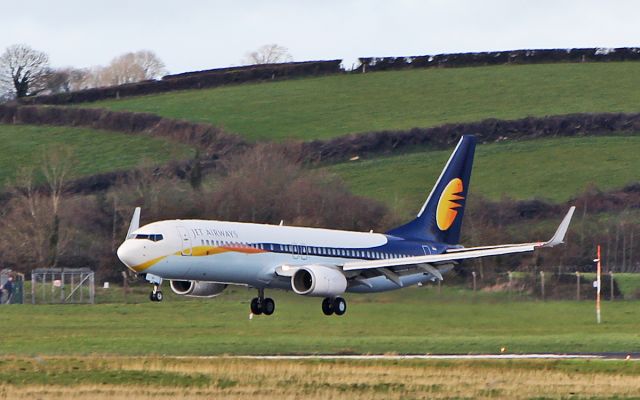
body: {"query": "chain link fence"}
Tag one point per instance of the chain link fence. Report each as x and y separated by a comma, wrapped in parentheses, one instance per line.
(62, 286)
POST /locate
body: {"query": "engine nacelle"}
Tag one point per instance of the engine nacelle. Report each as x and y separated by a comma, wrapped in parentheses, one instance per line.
(318, 280)
(197, 288)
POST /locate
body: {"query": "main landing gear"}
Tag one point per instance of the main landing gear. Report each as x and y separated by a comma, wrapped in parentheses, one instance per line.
(335, 305)
(262, 305)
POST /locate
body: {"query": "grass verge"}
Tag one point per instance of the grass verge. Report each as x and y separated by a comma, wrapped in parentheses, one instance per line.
(414, 320)
(152, 377)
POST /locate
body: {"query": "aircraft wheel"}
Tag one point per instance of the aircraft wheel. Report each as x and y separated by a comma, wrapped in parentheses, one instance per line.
(339, 306)
(159, 296)
(268, 306)
(256, 307)
(152, 296)
(327, 306)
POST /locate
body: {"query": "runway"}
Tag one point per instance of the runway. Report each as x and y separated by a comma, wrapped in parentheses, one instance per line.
(542, 356)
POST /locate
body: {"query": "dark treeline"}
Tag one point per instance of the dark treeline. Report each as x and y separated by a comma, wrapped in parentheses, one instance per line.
(194, 80)
(499, 57)
(55, 228)
(605, 218)
(446, 136)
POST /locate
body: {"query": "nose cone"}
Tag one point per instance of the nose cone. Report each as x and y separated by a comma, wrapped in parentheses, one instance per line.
(128, 254)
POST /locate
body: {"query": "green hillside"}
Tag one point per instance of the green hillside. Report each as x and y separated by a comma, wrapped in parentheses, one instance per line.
(94, 151)
(336, 105)
(554, 169)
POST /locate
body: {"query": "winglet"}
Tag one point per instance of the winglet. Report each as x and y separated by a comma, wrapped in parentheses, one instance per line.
(135, 222)
(558, 237)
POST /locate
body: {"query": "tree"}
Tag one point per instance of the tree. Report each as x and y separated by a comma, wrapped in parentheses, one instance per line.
(131, 67)
(65, 80)
(268, 54)
(23, 70)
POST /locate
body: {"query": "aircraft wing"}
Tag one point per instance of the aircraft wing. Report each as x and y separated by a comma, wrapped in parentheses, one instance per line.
(465, 253)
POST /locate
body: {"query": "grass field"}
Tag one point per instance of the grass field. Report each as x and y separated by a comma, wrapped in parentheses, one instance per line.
(414, 320)
(93, 151)
(335, 105)
(554, 169)
(117, 378)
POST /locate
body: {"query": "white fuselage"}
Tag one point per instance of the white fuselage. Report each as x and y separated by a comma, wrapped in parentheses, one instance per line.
(248, 254)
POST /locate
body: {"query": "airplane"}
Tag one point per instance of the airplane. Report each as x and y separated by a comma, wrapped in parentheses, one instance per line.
(200, 257)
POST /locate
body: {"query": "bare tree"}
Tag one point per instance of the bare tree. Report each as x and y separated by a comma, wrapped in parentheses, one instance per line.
(268, 54)
(65, 80)
(131, 67)
(23, 70)
(150, 64)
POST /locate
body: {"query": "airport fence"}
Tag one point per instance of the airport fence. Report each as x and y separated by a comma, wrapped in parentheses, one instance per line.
(558, 285)
(62, 286)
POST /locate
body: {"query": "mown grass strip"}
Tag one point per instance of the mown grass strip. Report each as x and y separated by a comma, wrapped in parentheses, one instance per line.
(414, 320)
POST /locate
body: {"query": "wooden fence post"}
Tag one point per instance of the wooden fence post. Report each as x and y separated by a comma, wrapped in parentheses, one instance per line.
(611, 278)
(473, 273)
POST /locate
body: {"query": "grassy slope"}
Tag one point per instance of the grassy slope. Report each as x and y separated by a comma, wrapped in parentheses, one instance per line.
(414, 320)
(555, 169)
(94, 151)
(335, 105)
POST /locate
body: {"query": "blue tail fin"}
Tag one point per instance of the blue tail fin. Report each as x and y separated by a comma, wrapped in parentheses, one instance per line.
(440, 218)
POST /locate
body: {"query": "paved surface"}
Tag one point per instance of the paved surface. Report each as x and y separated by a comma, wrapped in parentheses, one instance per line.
(594, 356)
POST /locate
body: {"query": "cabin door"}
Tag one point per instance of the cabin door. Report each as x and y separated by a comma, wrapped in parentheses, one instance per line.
(186, 241)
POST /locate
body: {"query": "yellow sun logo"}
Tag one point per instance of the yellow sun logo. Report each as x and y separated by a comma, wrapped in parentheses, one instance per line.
(446, 212)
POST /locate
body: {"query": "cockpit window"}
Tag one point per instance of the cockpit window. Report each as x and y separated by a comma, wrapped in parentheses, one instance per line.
(154, 237)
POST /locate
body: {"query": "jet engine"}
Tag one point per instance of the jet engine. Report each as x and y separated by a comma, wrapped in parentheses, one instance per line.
(318, 280)
(197, 288)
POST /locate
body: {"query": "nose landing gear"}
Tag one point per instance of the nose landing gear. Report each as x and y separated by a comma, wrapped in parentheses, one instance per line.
(156, 293)
(262, 305)
(336, 305)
